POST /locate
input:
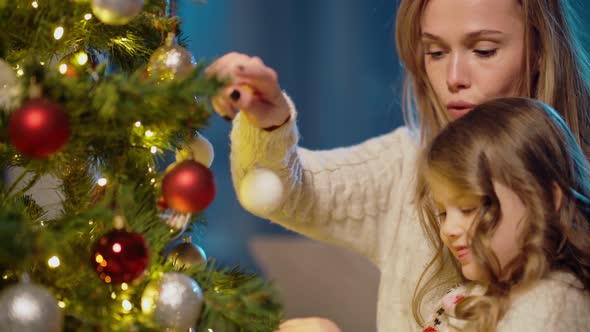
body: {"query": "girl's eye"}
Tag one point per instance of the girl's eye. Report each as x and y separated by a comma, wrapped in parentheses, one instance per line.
(468, 211)
(441, 215)
(486, 53)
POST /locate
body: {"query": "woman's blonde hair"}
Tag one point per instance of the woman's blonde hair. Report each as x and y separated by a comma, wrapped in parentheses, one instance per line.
(557, 69)
(526, 146)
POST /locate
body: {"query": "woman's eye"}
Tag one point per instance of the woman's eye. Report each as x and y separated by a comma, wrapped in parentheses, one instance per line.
(435, 54)
(486, 53)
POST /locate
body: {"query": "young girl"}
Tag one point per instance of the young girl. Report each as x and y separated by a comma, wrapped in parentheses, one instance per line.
(457, 54)
(505, 197)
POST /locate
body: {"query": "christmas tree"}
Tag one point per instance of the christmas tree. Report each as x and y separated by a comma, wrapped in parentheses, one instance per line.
(93, 94)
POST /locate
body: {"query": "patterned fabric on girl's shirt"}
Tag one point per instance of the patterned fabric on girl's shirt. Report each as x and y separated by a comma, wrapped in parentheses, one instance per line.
(444, 315)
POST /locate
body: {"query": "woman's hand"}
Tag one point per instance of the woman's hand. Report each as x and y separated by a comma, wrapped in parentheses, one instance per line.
(311, 324)
(254, 90)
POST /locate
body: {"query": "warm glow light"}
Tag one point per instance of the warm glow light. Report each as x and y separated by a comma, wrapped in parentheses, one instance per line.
(58, 33)
(123, 39)
(61, 304)
(153, 181)
(138, 124)
(82, 58)
(87, 17)
(149, 133)
(98, 258)
(25, 308)
(53, 262)
(63, 68)
(150, 170)
(20, 72)
(127, 305)
(107, 279)
(153, 149)
(102, 182)
(116, 247)
(113, 295)
(35, 4)
(124, 286)
(42, 63)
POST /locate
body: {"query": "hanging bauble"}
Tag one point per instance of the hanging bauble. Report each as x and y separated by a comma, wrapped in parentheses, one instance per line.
(29, 307)
(174, 301)
(120, 256)
(38, 128)
(198, 149)
(162, 205)
(116, 12)
(261, 191)
(10, 88)
(170, 61)
(188, 187)
(186, 254)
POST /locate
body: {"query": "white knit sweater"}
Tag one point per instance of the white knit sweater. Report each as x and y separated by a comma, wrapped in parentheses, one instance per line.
(358, 197)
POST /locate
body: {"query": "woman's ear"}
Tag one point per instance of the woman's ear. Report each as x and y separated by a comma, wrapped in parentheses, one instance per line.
(557, 196)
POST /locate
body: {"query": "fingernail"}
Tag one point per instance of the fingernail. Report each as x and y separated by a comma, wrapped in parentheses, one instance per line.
(235, 95)
(227, 118)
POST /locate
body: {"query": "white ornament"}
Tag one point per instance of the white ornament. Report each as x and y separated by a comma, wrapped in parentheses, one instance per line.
(29, 307)
(174, 301)
(10, 88)
(261, 191)
(116, 12)
(198, 149)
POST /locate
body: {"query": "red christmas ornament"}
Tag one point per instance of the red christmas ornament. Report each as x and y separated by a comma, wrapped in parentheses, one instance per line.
(188, 187)
(120, 256)
(162, 205)
(38, 128)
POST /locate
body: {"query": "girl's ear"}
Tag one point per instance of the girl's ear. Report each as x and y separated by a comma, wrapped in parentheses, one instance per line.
(557, 195)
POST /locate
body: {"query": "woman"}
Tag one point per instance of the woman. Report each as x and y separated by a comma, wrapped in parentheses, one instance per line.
(456, 54)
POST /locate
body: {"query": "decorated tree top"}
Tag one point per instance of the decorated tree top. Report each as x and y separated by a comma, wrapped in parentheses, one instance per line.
(92, 93)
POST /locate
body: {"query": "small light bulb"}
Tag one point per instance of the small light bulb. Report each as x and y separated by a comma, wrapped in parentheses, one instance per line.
(123, 39)
(113, 295)
(102, 182)
(153, 149)
(58, 33)
(63, 68)
(20, 72)
(82, 58)
(149, 133)
(124, 286)
(127, 305)
(138, 124)
(53, 262)
(61, 304)
(150, 170)
(35, 4)
(87, 17)
(117, 247)
(153, 181)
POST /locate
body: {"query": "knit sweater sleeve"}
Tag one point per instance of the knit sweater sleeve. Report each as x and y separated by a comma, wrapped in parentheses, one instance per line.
(341, 196)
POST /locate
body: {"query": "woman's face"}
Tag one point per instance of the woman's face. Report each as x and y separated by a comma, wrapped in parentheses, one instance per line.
(473, 51)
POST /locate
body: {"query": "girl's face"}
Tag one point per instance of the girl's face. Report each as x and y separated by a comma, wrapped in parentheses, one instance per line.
(473, 51)
(456, 214)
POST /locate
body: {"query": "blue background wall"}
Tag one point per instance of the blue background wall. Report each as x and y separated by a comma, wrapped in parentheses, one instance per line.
(335, 58)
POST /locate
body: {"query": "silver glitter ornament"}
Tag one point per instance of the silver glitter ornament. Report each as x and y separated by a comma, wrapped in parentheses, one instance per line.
(116, 12)
(29, 307)
(187, 254)
(170, 61)
(174, 301)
